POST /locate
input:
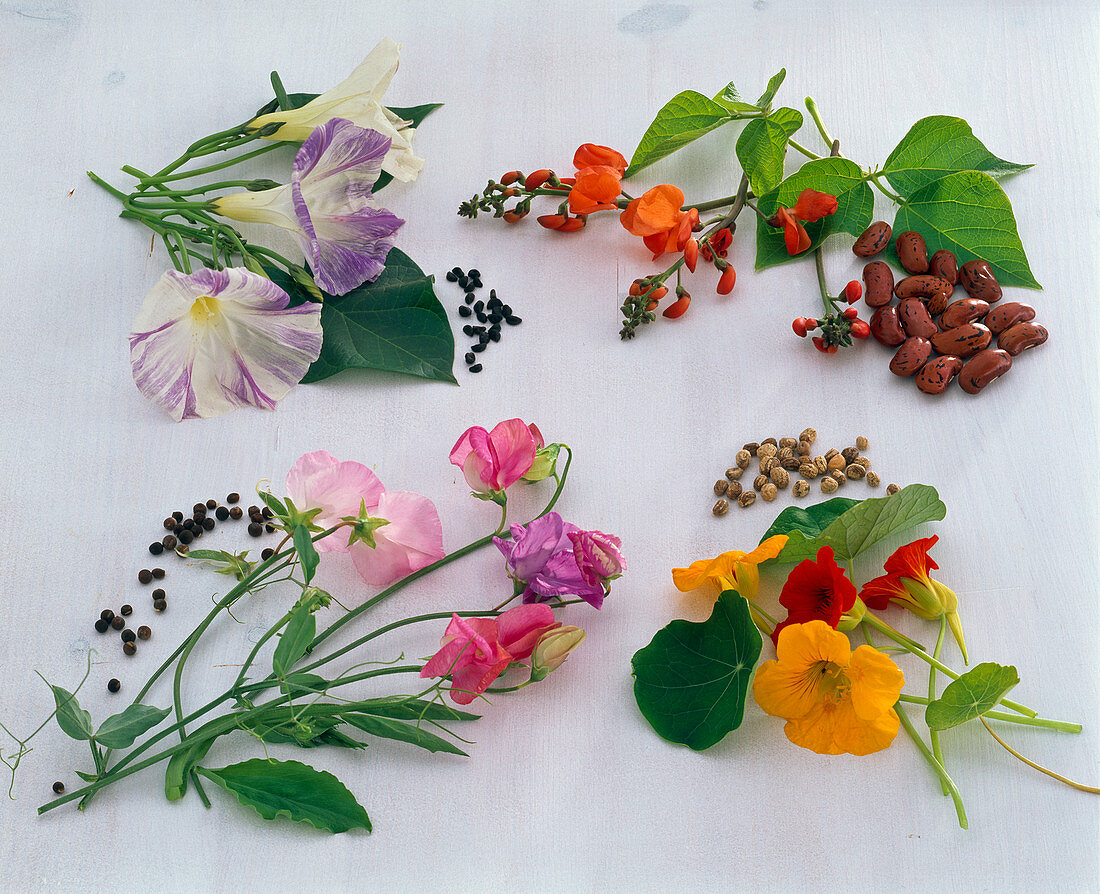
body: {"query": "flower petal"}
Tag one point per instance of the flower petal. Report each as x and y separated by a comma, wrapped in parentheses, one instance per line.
(412, 539)
(319, 480)
(876, 682)
(519, 628)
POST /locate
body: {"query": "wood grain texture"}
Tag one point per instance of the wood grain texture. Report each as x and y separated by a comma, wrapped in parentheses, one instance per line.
(566, 788)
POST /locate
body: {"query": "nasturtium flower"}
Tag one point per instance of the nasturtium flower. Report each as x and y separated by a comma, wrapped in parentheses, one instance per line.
(657, 218)
(328, 206)
(358, 99)
(207, 342)
(475, 651)
(493, 461)
(907, 583)
(735, 569)
(817, 591)
(835, 700)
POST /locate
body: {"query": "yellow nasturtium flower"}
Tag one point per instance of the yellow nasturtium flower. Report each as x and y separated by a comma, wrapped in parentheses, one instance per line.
(734, 570)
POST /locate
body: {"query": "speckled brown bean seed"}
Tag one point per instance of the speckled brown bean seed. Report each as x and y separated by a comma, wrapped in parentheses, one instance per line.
(1008, 315)
(733, 490)
(808, 470)
(873, 240)
(978, 280)
(801, 488)
(912, 252)
(766, 450)
(771, 441)
(962, 341)
(828, 485)
(721, 507)
(793, 463)
(922, 286)
(743, 459)
(855, 471)
(965, 310)
(769, 492)
(804, 448)
(746, 499)
(759, 481)
(873, 479)
(937, 374)
(915, 319)
(878, 281)
(886, 327)
(830, 453)
(720, 486)
(862, 443)
(1021, 337)
(785, 453)
(911, 356)
(891, 489)
(837, 462)
(788, 442)
(808, 435)
(862, 461)
(943, 264)
(734, 473)
(839, 476)
(984, 368)
(767, 464)
(781, 478)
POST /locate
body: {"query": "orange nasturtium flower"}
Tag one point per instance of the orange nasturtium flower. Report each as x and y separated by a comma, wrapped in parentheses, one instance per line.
(734, 570)
(657, 218)
(835, 700)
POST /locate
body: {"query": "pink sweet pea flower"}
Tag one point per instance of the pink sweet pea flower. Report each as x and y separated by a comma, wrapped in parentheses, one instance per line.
(320, 481)
(493, 461)
(475, 651)
(597, 555)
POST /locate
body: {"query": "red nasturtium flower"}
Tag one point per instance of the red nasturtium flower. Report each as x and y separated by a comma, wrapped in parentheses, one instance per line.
(657, 218)
(810, 206)
(818, 591)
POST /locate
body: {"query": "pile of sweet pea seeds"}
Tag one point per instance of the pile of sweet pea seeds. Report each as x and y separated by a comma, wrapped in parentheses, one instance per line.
(489, 315)
(780, 458)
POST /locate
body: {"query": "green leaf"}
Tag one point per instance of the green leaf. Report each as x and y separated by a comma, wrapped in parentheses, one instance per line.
(810, 521)
(970, 696)
(296, 684)
(690, 682)
(729, 98)
(774, 84)
(938, 146)
(294, 790)
(414, 709)
(294, 640)
(273, 503)
(836, 176)
(307, 552)
(120, 730)
(862, 526)
(684, 118)
(336, 739)
(74, 721)
(395, 323)
(385, 728)
(762, 147)
(179, 768)
(223, 562)
(969, 214)
(415, 115)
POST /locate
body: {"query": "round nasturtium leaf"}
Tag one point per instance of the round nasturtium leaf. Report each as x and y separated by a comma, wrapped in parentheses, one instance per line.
(970, 696)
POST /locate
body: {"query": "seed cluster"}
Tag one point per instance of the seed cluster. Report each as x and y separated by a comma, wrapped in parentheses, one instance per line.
(778, 459)
(489, 315)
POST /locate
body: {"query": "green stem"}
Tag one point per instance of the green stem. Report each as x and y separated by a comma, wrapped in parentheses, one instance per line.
(933, 735)
(800, 148)
(811, 107)
(150, 179)
(95, 178)
(892, 196)
(819, 261)
(1077, 785)
(1062, 726)
(934, 764)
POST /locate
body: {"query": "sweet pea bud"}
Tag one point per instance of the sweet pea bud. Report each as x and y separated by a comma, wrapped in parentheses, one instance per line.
(552, 649)
(545, 460)
(261, 185)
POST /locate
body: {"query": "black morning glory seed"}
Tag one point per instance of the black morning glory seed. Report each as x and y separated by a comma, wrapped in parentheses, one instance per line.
(469, 357)
(483, 338)
(495, 318)
(452, 276)
(462, 281)
(470, 286)
(478, 348)
(513, 320)
(493, 302)
(481, 318)
(476, 368)
(475, 273)
(476, 283)
(506, 310)
(464, 311)
(469, 297)
(467, 329)
(494, 334)
(457, 271)
(479, 306)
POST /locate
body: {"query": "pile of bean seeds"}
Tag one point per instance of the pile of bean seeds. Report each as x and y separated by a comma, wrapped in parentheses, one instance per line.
(489, 315)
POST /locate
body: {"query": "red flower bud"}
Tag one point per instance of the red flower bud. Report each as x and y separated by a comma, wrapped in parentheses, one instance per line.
(636, 288)
(819, 343)
(721, 240)
(510, 177)
(536, 178)
(514, 216)
(552, 221)
(658, 293)
(799, 326)
(677, 308)
(850, 314)
(726, 281)
(573, 223)
(859, 329)
(691, 254)
(811, 323)
(853, 292)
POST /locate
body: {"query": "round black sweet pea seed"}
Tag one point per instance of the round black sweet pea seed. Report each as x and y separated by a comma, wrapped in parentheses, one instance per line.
(145, 576)
(199, 507)
(186, 537)
(158, 573)
(211, 504)
(114, 684)
(270, 529)
(176, 530)
(233, 498)
(255, 529)
(129, 649)
(118, 622)
(169, 523)
(107, 615)
(197, 532)
(59, 788)
(208, 524)
(177, 515)
(452, 276)
(253, 508)
(266, 512)
(158, 593)
(126, 610)
(156, 548)
(160, 605)
(144, 632)
(475, 273)
(236, 513)
(221, 513)
(464, 311)
(169, 542)
(189, 525)
(128, 636)
(101, 625)
(267, 553)
(476, 368)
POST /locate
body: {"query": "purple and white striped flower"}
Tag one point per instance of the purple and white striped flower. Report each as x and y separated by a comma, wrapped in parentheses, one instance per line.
(328, 206)
(207, 342)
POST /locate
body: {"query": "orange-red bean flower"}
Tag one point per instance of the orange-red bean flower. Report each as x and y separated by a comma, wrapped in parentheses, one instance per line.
(657, 218)
(598, 182)
(810, 206)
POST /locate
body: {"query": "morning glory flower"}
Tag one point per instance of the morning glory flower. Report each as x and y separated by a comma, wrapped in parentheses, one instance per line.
(328, 206)
(358, 99)
(207, 342)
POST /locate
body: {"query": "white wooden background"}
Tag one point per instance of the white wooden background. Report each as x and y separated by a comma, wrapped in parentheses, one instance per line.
(566, 789)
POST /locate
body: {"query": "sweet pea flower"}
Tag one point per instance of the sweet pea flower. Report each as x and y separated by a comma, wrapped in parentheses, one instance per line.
(328, 206)
(207, 342)
(552, 649)
(403, 529)
(531, 546)
(358, 99)
(493, 461)
(475, 651)
(597, 555)
(540, 559)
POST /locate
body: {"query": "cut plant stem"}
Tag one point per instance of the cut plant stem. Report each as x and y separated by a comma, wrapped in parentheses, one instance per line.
(933, 735)
(1077, 785)
(1062, 726)
(933, 763)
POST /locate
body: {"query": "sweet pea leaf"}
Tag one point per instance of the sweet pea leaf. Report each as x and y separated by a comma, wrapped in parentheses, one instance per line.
(74, 721)
(937, 146)
(863, 525)
(273, 503)
(120, 730)
(773, 87)
(387, 728)
(180, 766)
(296, 684)
(762, 147)
(731, 99)
(690, 682)
(414, 709)
(294, 790)
(395, 323)
(970, 696)
(810, 521)
(968, 213)
(294, 640)
(307, 552)
(836, 176)
(684, 118)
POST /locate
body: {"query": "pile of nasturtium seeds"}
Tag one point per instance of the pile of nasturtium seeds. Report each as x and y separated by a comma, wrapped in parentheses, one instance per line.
(780, 458)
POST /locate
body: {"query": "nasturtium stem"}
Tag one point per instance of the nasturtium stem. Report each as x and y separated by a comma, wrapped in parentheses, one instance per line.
(935, 764)
(1062, 726)
(1077, 785)
(933, 735)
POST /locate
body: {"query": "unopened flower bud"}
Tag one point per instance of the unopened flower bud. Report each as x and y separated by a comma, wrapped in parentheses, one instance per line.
(552, 649)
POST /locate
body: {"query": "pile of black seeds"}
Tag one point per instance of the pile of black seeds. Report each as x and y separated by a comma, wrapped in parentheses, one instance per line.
(489, 315)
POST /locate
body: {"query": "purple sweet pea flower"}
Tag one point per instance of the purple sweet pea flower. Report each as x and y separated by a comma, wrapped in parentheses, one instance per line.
(328, 205)
(540, 556)
(560, 577)
(532, 546)
(597, 555)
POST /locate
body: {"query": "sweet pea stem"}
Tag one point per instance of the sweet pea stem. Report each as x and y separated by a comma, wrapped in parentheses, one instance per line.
(1077, 785)
(945, 779)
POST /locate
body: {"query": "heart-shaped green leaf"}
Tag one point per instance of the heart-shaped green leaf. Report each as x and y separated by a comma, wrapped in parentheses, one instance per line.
(292, 789)
(74, 721)
(938, 146)
(973, 694)
(691, 681)
(969, 214)
(762, 147)
(684, 118)
(120, 730)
